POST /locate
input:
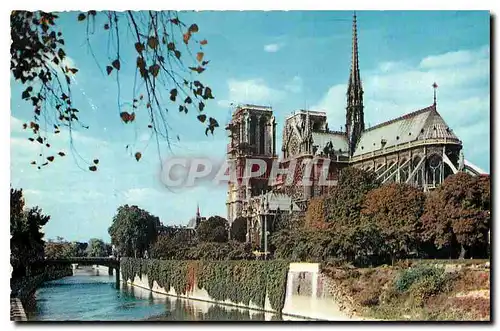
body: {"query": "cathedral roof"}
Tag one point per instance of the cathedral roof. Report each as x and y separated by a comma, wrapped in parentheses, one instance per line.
(277, 200)
(192, 223)
(338, 140)
(422, 124)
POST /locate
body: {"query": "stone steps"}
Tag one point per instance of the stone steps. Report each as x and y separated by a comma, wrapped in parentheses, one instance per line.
(17, 313)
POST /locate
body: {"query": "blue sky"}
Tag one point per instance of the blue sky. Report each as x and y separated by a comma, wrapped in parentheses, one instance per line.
(288, 60)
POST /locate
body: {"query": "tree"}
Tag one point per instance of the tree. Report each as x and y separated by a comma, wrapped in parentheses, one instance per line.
(239, 229)
(173, 244)
(344, 202)
(26, 242)
(315, 214)
(59, 249)
(161, 51)
(79, 249)
(459, 211)
(231, 250)
(133, 231)
(215, 229)
(97, 248)
(396, 210)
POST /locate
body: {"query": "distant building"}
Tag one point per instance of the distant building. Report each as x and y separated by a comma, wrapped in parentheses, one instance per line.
(195, 221)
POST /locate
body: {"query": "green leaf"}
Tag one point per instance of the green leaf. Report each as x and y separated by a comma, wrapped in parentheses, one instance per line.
(202, 118)
(81, 17)
(93, 168)
(109, 69)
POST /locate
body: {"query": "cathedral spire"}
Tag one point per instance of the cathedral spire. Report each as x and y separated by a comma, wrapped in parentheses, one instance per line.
(197, 210)
(354, 77)
(355, 123)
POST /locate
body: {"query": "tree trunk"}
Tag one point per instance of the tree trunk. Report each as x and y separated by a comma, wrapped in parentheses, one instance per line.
(462, 252)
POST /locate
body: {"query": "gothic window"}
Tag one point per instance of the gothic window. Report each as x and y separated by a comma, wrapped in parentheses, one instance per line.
(253, 130)
(404, 172)
(262, 135)
(434, 170)
(293, 146)
(417, 179)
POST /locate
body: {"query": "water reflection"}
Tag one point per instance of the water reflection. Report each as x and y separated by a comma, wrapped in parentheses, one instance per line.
(179, 309)
(88, 297)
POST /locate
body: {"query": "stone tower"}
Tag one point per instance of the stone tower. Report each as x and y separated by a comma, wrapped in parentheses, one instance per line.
(252, 135)
(355, 122)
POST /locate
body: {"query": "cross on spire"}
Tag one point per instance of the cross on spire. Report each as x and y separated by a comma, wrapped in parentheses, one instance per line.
(434, 86)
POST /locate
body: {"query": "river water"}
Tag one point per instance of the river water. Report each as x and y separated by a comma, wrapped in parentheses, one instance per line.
(86, 296)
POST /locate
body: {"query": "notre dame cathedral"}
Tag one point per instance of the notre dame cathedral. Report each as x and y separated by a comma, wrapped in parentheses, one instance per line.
(418, 148)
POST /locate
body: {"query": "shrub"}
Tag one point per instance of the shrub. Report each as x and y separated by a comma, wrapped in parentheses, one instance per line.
(410, 276)
(426, 287)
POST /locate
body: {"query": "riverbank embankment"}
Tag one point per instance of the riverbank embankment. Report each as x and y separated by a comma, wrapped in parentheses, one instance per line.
(22, 289)
(291, 290)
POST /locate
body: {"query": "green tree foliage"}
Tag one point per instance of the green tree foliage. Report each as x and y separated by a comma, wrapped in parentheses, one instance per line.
(173, 244)
(214, 251)
(214, 229)
(239, 229)
(288, 221)
(362, 245)
(133, 230)
(396, 210)
(458, 211)
(60, 249)
(344, 202)
(80, 248)
(97, 248)
(26, 242)
(165, 53)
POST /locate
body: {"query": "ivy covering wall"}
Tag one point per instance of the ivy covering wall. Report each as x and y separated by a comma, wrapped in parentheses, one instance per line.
(237, 281)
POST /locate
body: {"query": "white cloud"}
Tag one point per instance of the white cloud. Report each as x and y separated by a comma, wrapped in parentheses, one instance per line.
(257, 91)
(396, 88)
(16, 125)
(272, 48)
(295, 85)
(252, 91)
(455, 58)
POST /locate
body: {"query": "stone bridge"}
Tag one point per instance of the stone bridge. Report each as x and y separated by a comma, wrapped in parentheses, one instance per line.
(110, 262)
